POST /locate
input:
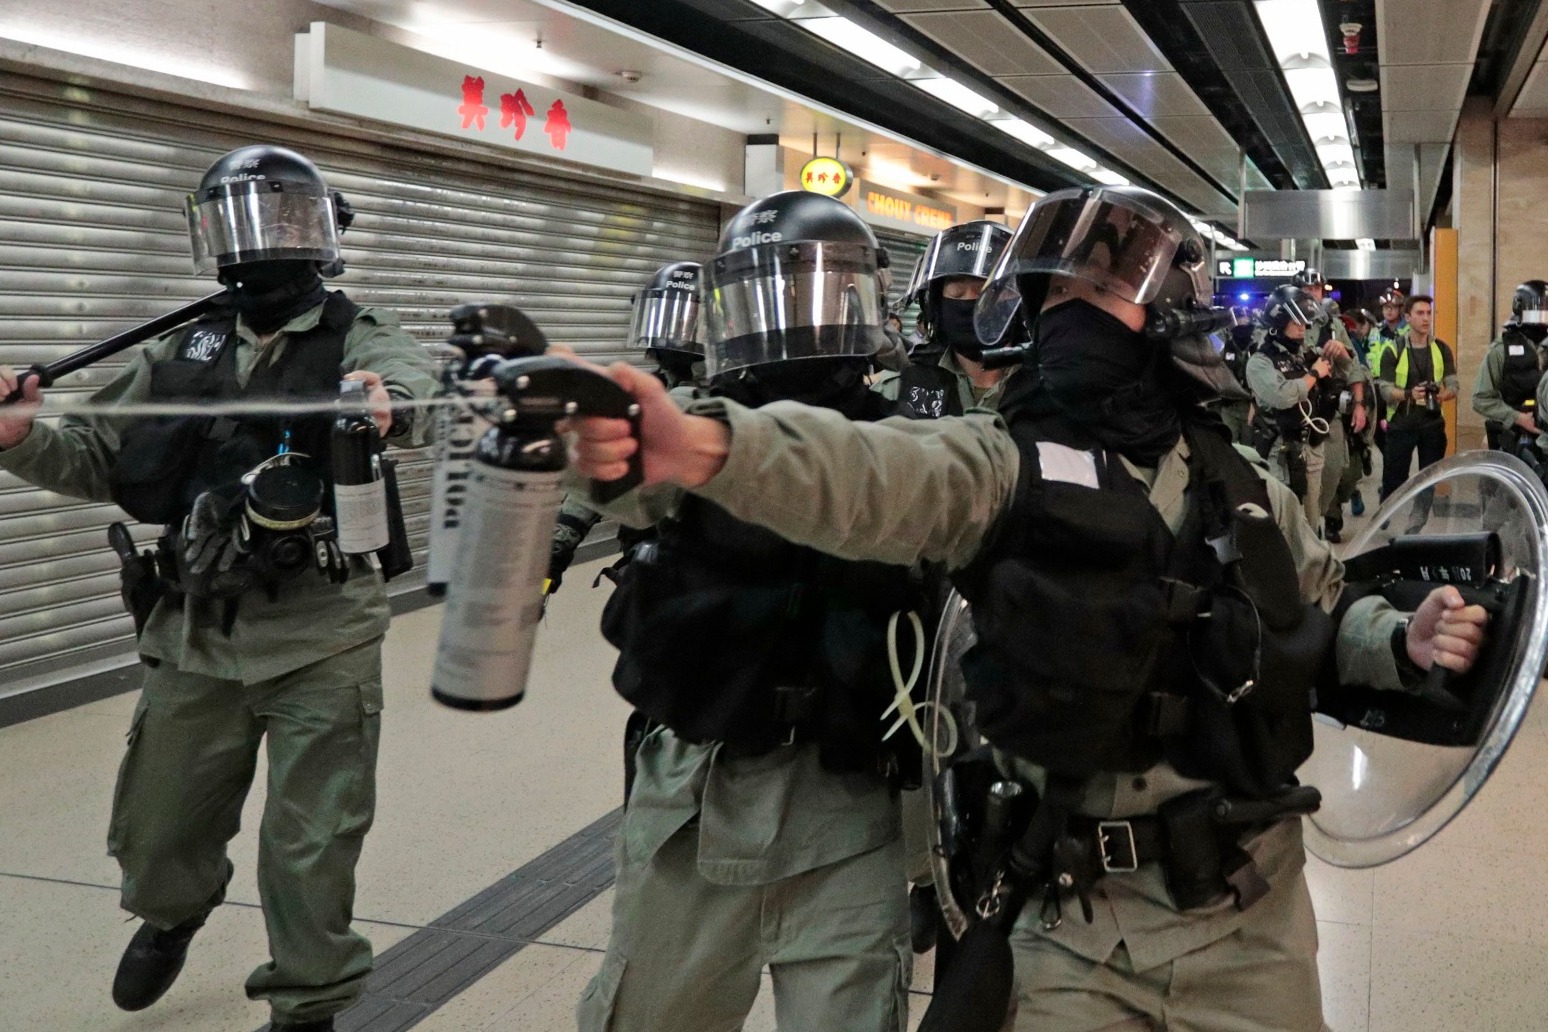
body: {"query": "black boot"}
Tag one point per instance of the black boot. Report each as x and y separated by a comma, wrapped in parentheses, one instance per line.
(924, 918)
(319, 1025)
(152, 962)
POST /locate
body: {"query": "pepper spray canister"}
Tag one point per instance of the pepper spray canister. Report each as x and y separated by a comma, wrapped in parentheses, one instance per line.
(359, 492)
(482, 335)
(495, 599)
(495, 595)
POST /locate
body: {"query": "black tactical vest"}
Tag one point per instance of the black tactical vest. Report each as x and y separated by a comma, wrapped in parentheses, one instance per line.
(1294, 365)
(1521, 371)
(165, 462)
(728, 633)
(927, 391)
(1105, 643)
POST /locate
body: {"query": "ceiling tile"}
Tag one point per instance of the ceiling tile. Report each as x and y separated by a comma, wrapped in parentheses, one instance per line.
(1195, 134)
(1421, 126)
(910, 6)
(1426, 88)
(989, 42)
(1103, 39)
(1065, 3)
(1155, 94)
(1532, 102)
(1425, 32)
(1061, 96)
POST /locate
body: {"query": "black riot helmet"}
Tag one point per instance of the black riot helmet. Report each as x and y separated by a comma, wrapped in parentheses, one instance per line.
(1529, 309)
(1308, 278)
(1288, 304)
(666, 313)
(265, 204)
(1128, 241)
(971, 249)
(794, 278)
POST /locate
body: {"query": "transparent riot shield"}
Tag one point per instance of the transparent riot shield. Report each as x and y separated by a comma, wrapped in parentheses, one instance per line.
(1395, 766)
(952, 733)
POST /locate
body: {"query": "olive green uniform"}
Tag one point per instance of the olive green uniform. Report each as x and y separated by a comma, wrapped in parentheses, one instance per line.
(1487, 400)
(968, 396)
(304, 670)
(1342, 471)
(1272, 392)
(899, 490)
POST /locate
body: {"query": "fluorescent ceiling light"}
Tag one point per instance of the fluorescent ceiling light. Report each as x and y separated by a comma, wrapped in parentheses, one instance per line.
(1024, 131)
(1294, 28)
(787, 8)
(1073, 158)
(1326, 125)
(1365, 244)
(1108, 176)
(864, 44)
(958, 96)
(1312, 87)
(1335, 154)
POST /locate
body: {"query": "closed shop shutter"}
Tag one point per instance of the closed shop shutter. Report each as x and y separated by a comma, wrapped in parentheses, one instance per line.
(904, 250)
(93, 239)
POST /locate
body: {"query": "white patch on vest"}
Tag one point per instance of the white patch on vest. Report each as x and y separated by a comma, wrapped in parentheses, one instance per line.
(1515, 349)
(1068, 465)
(202, 345)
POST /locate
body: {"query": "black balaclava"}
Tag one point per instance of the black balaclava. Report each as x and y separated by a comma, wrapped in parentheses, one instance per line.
(676, 366)
(270, 294)
(830, 383)
(1534, 332)
(1109, 380)
(954, 327)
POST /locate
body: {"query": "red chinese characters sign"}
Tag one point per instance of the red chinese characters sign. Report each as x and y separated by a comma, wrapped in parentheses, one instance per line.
(515, 109)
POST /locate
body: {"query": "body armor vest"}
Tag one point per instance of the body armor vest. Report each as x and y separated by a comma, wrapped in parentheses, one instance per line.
(1293, 365)
(928, 391)
(1521, 370)
(1106, 643)
(164, 463)
(728, 633)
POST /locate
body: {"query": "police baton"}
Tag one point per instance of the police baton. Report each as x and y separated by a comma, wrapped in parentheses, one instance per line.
(46, 373)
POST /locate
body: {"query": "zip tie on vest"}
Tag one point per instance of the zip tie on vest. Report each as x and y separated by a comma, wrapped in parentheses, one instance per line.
(903, 698)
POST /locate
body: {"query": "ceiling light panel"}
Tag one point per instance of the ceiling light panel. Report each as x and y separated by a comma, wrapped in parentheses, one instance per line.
(988, 42)
(864, 44)
(958, 96)
(1297, 40)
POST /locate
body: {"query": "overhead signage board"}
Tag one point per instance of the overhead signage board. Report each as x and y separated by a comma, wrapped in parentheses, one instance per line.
(828, 176)
(1258, 268)
(894, 209)
(351, 73)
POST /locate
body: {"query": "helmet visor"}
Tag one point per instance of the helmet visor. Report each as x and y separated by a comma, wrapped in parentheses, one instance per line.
(666, 319)
(252, 221)
(970, 250)
(779, 302)
(1107, 237)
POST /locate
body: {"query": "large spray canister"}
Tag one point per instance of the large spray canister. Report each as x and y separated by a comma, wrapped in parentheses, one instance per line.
(359, 491)
(482, 334)
(510, 504)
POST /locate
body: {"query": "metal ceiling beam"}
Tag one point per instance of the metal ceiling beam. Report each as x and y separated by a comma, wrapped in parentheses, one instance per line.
(1529, 48)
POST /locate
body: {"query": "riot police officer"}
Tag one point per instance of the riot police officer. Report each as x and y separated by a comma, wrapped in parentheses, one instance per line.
(946, 376)
(243, 646)
(763, 824)
(1506, 392)
(1236, 346)
(1057, 517)
(665, 326)
(1289, 382)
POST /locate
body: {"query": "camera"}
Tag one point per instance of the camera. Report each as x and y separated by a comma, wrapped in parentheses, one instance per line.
(1431, 391)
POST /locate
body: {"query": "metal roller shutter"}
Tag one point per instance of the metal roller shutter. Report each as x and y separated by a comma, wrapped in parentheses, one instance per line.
(93, 239)
(904, 249)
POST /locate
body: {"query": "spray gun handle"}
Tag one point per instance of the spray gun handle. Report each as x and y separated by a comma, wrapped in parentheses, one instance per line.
(547, 388)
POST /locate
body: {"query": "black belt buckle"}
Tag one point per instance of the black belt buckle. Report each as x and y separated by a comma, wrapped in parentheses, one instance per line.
(1115, 841)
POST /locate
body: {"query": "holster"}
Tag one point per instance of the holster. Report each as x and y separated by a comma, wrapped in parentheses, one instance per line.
(1295, 468)
(1264, 434)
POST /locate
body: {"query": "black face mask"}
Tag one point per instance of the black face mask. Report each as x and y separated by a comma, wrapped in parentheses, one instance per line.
(954, 327)
(831, 383)
(270, 294)
(1109, 379)
(1534, 332)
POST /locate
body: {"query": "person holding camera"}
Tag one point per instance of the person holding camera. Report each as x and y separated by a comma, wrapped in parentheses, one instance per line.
(1416, 378)
(255, 623)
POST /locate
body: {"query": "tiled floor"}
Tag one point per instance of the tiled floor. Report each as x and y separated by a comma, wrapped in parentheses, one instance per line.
(1452, 937)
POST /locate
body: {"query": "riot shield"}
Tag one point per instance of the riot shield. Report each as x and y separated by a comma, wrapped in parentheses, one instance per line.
(1394, 767)
(951, 734)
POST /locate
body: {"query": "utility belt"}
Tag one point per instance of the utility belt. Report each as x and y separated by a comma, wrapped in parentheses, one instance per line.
(1002, 848)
